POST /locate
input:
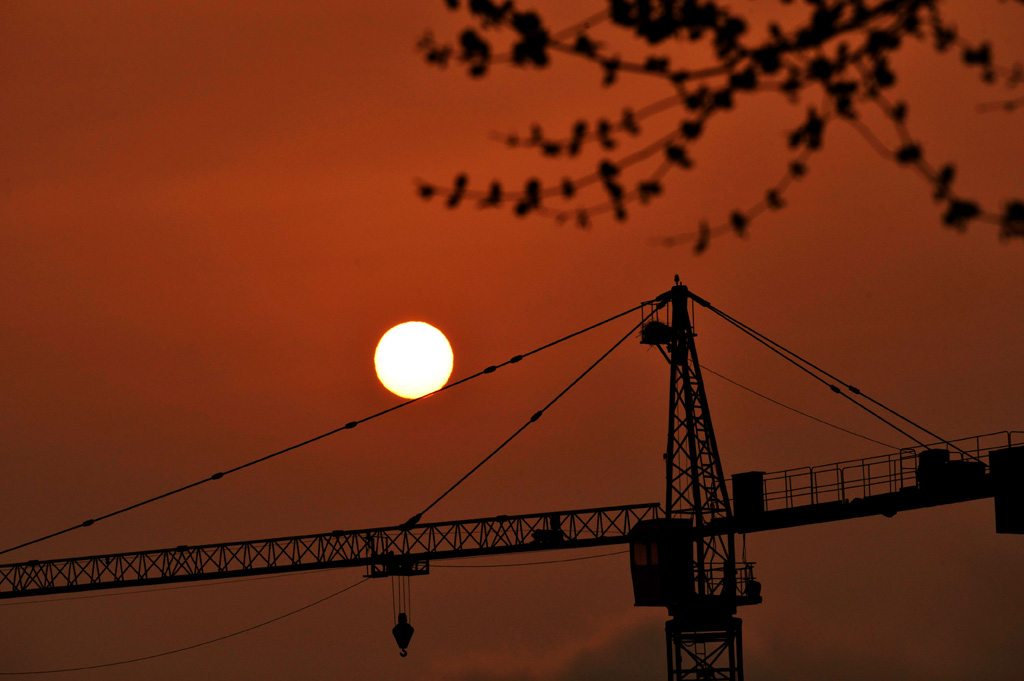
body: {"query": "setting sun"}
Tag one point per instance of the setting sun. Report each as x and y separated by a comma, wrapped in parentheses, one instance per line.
(413, 359)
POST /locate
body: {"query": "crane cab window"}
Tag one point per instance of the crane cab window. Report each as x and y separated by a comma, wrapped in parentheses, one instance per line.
(644, 553)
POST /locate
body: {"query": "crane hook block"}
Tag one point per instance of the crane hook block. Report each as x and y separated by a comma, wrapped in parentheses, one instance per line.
(403, 633)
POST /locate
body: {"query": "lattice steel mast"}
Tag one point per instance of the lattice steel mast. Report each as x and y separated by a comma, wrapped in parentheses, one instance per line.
(704, 636)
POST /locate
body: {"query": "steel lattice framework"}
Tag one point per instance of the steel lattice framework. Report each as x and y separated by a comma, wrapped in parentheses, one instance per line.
(703, 638)
(383, 551)
(696, 480)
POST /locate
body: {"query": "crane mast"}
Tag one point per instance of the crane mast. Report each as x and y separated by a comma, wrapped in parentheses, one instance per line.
(703, 637)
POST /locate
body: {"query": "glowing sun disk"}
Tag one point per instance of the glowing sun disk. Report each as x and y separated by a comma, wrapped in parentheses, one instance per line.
(413, 359)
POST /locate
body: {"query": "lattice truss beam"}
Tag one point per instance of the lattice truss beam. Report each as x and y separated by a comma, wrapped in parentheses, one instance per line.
(382, 550)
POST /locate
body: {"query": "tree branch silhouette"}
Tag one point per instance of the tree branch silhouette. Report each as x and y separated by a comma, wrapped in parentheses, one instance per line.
(838, 54)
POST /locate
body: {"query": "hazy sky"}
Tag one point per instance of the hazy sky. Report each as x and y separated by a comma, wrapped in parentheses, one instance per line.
(209, 217)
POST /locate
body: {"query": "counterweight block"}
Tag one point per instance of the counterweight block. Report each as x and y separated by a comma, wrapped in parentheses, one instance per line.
(1007, 471)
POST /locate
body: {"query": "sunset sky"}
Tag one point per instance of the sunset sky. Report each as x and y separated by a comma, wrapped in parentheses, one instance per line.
(209, 217)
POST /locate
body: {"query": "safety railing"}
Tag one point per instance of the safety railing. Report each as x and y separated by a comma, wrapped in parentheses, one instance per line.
(845, 481)
(745, 585)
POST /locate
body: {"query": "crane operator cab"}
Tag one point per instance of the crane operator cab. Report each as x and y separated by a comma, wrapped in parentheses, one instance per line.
(661, 561)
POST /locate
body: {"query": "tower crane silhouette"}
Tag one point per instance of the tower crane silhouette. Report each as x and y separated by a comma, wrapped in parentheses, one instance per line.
(682, 552)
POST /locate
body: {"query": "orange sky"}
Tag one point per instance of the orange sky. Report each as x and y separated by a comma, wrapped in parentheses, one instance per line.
(209, 218)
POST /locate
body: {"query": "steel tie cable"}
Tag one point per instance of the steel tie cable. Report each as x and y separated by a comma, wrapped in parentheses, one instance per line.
(348, 426)
(853, 389)
(782, 352)
(416, 518)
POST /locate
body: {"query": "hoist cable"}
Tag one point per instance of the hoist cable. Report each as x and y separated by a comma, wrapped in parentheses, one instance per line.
(394, 602)
(189, 647)
(351, 424)
(416, 518)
